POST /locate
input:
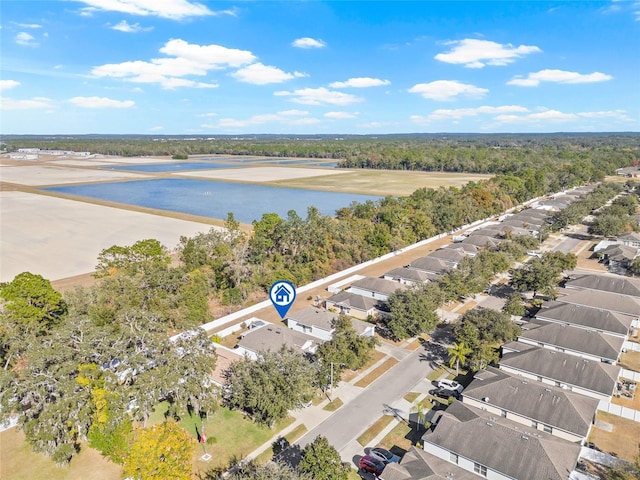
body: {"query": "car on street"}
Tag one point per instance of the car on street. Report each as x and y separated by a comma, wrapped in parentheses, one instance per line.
(444, 393)
(384, 455)
(371, 465)
(450, 385)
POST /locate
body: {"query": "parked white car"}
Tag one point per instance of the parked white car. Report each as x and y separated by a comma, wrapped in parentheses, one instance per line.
(450, 385)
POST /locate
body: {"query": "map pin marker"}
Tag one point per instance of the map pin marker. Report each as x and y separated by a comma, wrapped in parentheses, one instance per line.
(282, 294)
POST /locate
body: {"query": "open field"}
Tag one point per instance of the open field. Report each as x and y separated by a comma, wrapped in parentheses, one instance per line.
(622, 441)
(383, 182)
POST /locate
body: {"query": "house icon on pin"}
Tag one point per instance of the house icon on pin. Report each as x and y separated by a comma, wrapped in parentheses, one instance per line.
(282, 294)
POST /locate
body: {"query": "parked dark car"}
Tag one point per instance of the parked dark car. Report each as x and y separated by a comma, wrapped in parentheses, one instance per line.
(384, 455)
(444, 393)
(371, 465)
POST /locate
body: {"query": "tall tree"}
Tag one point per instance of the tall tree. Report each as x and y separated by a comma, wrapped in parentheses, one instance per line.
(321, 461)
(412, 311)
(160, 452)
(458, 354)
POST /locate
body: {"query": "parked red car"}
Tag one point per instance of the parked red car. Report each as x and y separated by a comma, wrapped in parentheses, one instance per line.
(371, 465)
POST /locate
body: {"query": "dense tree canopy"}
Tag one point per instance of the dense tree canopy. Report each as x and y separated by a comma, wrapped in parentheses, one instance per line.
(321, 461)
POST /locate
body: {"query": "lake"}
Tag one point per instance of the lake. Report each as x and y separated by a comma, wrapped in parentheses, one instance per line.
(171, 167)
(215, 199)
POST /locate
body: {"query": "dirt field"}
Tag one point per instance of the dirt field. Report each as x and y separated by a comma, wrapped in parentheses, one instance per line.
(622, 441)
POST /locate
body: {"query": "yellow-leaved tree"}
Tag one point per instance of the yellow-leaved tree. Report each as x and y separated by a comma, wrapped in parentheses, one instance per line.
(160, 452)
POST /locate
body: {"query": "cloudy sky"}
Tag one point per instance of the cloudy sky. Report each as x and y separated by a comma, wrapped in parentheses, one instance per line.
(207, 67)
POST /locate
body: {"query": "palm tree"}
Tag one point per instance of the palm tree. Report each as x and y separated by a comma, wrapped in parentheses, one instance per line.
(458, 354)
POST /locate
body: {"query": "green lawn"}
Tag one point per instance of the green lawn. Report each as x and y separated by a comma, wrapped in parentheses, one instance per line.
(373, 431)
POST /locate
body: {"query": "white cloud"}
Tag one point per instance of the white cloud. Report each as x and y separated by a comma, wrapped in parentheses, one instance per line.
(460, 113)
(29, 25)
(473, 53)
(207, 115)
(126, 27)
(558, 76)
(555, 116)
(101, 102)
(360, 82)
(25, 39)
(340, 115)
(156, 129)
(171, 9)
(259, 74)
(444, 90)
(36, 102)
(307, 42)
(7, 84)
(183, 59)
(286, 117)
(319, 96)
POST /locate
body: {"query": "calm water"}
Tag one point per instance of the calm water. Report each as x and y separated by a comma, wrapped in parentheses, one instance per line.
(171, 167)
(209, 198)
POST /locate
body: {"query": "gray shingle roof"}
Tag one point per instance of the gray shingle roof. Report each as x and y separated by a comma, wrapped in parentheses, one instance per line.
(482, 241)
(316, 317)
(430, 264)
(604, 300)
(353, 300)
(410, 274)
(607, 283)
(467, 248)
(417, 464)
(568, 369)
(503, 445)
(378, 285)
(586, 317)
(273, 337)
(447, 255)
(546, 404)
(620, 253)
(576, 339)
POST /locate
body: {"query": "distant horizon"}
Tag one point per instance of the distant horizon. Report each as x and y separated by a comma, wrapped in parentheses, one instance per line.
(205, 68)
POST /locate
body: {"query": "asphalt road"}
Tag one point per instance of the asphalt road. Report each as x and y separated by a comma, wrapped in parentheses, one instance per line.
(356, 416)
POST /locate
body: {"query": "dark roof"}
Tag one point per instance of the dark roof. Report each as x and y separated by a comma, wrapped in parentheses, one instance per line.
(447, 255)
(417, 464)
(378, 285)
(502, 230)
(607, 283)
(523, 224)
(316, 317)
(586, 317)
(532, 213)
(467, 248)
(576, 339)
(410, 274)
(273, 337)
(568, 369)
(630, 237)
(602, 300)
(620, 253)
(353, 300)
(503, 445)
(537, 401)
(430, 264)
(482, 240)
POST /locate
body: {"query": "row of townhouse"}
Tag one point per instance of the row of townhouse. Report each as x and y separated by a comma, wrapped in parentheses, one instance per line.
(527, 418)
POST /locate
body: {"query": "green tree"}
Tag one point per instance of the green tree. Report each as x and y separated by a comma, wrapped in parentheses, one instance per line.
(321, 461)
(32, 302)
(458, 354)
(160, 452)
(253, 471)
(412, 311)
(514, 305)
(139, 255)
(270, 386)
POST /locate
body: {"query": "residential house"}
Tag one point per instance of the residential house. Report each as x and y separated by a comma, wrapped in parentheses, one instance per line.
(358, 306)
(448, 255)
(630, 239)
(435, 266)
(588, 377)
(561, 413)
(417, 464)
(613, 302)
(608, 283)
(483, 241)
(466, 248)
(498, 448)
(273, 337)
(589, 318)
(573, 340)
(376, 288)
(319, 323)
(409, 276)
(619, 257)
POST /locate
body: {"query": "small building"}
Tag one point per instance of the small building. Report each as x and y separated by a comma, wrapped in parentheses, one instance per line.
(630, 239)
(417, 464)
(606, 283)
(319, 323)
(409, 276)
(590, 318)
(376, 288)
(431, 265)
(498, 448)
(539, 406)
(358, 306)
(613, 302)
(580, 375)
(273, 338)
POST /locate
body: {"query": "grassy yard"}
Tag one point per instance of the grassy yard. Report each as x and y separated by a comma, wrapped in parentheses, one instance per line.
(18, 462)
(290, 437)
(374, 430)
(631, 360)
(348, 375)
(334, 405)
(622, 441)
(376, 372)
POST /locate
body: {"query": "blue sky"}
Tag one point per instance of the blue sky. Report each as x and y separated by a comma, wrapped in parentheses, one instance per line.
(304, 67)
